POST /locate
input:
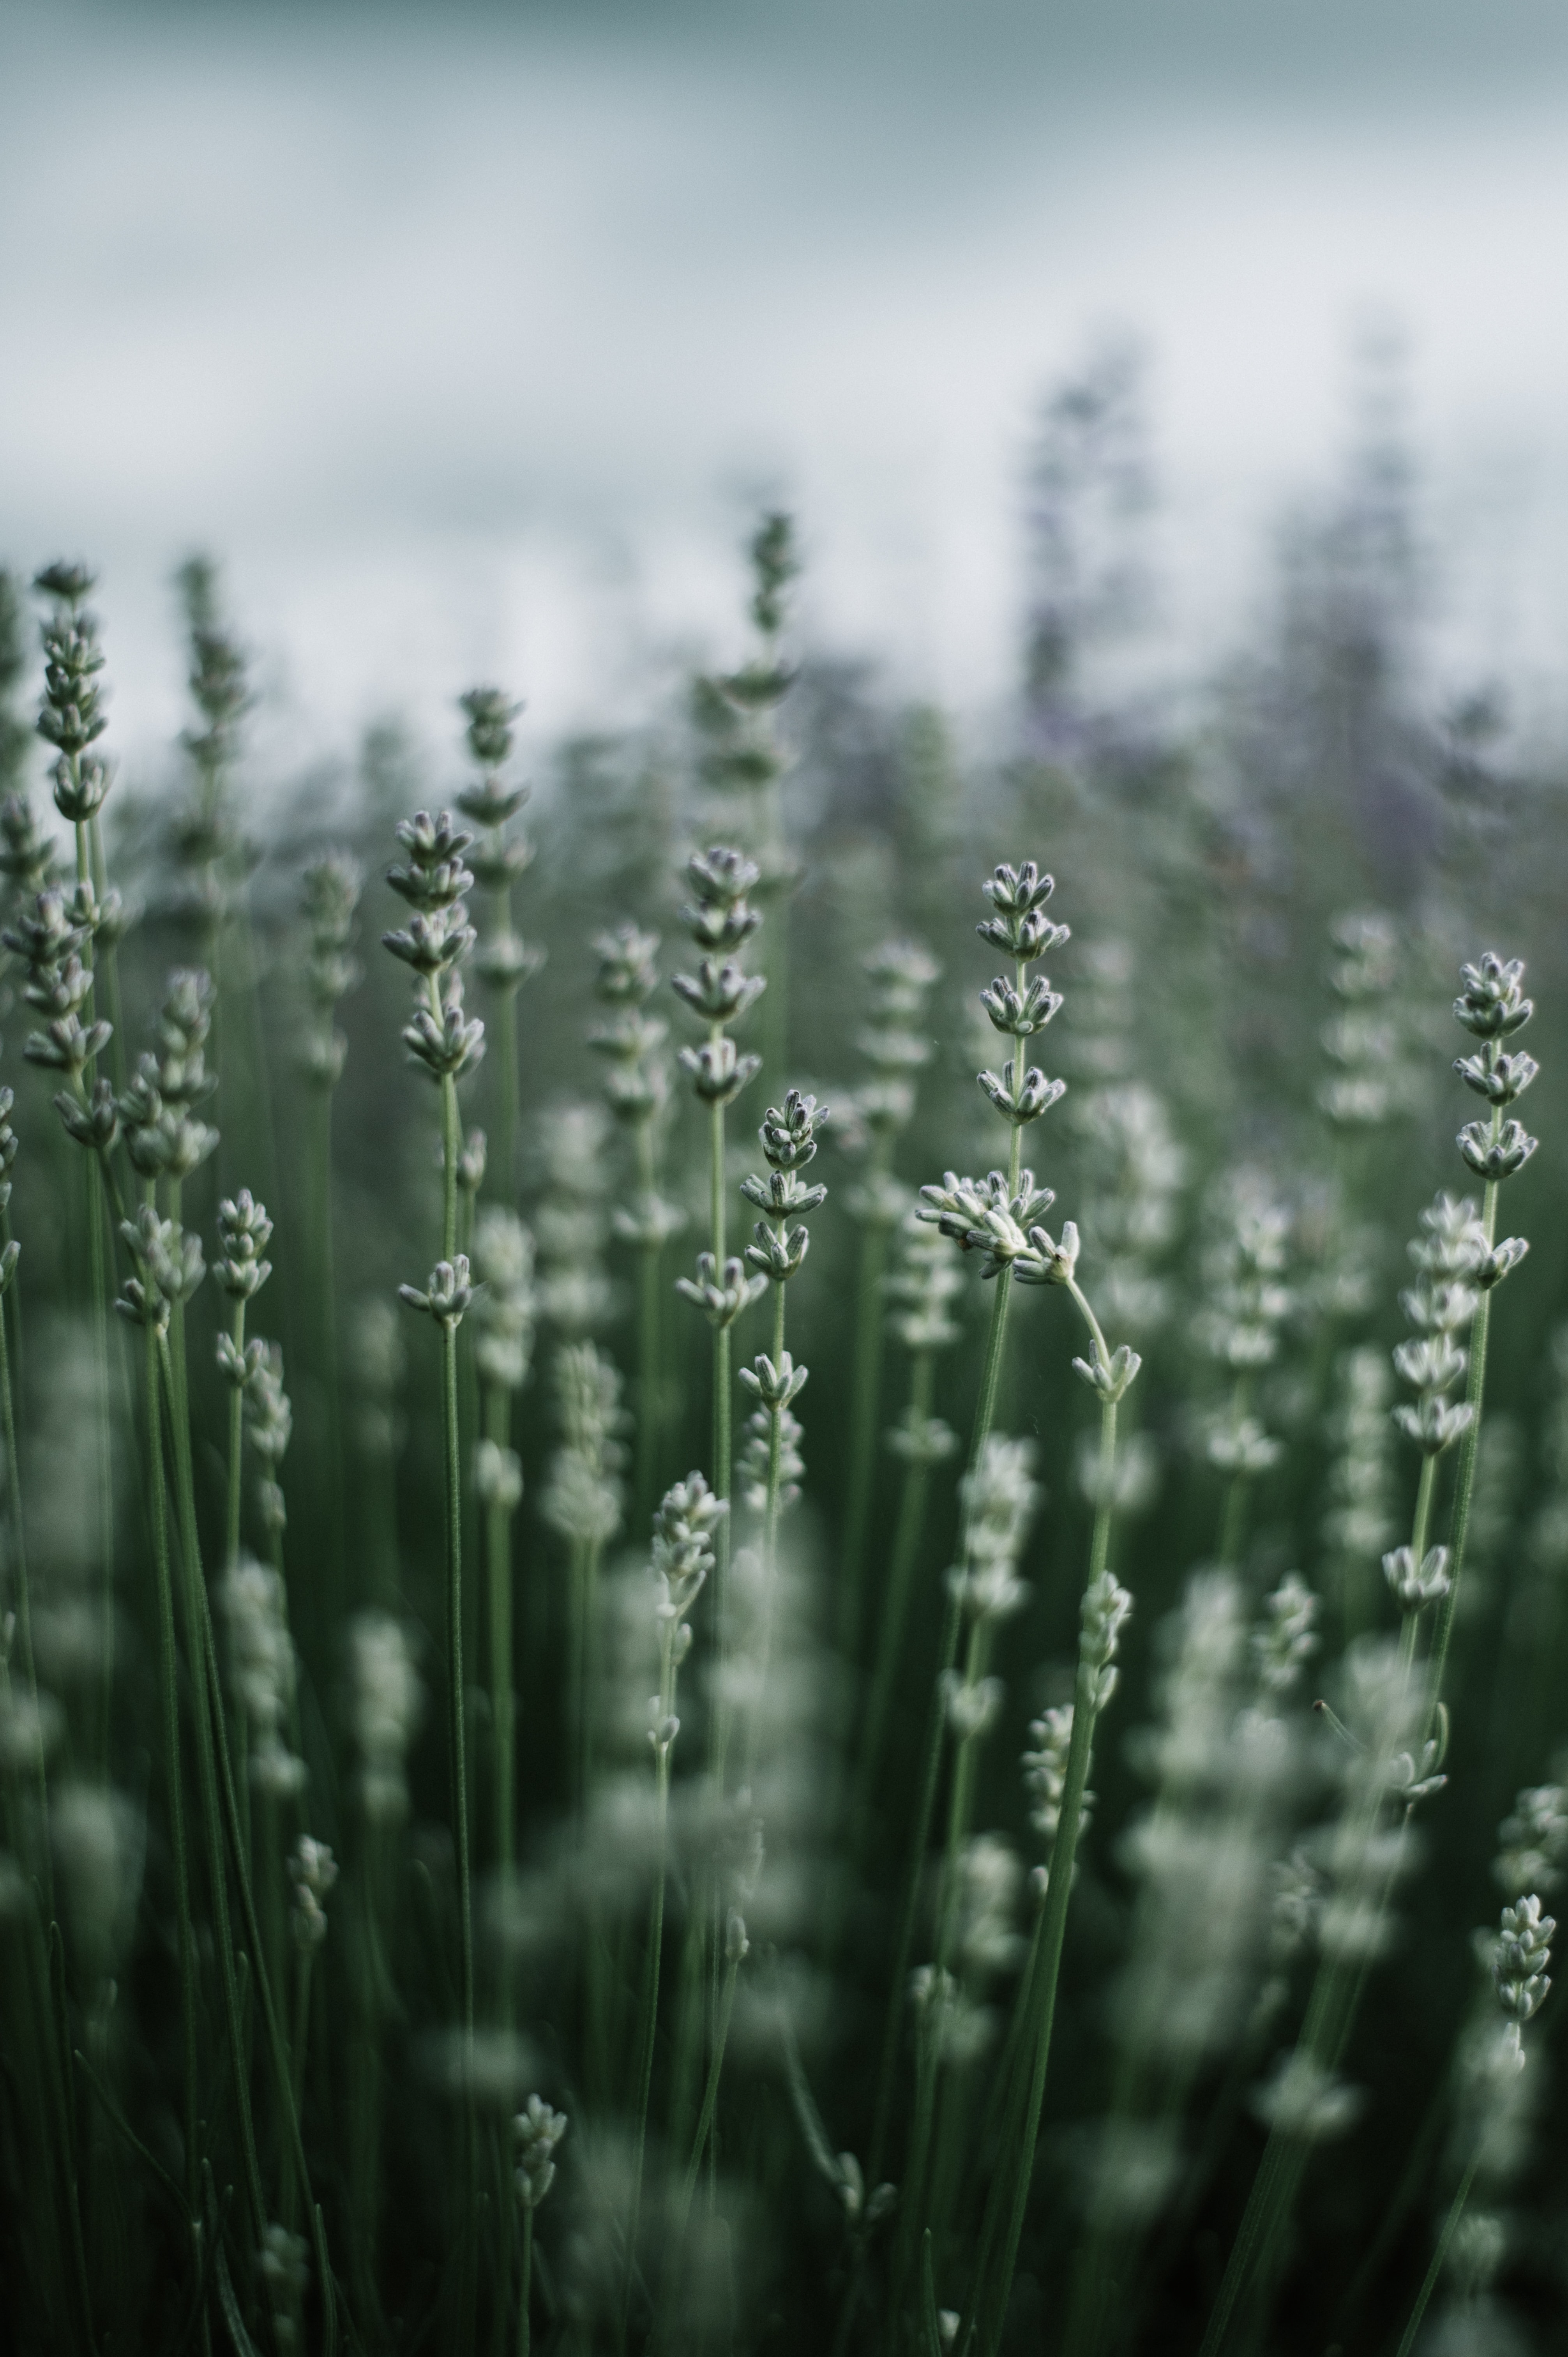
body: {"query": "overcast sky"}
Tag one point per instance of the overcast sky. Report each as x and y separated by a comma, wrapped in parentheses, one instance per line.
(468, 338)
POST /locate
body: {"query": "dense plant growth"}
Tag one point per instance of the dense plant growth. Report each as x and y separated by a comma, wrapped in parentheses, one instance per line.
(675, 1681)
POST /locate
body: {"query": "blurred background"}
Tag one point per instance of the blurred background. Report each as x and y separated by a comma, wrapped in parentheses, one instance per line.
(470, 338)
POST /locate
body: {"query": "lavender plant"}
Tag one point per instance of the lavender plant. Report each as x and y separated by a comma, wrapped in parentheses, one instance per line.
(717, 1845)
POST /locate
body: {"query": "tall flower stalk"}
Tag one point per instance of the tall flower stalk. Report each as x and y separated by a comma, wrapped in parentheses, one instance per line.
(332, 887)
(901, 976)
(744, 763)
(504, 960)
(638, 1088)
(994, 1217)
(721, 921)
(788, 1140)
(445, 1043)
(684, 1531)
(1459, 1264)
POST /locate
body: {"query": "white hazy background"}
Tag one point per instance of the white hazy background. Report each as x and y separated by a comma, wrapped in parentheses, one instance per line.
(469, 338)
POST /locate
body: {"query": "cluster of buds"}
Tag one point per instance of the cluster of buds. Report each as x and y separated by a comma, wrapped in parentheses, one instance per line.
(637, 1085)
(386, 1703)
(582, 1497)
(1106, 1605)
(1533, 1841)
(1448, 1255)
(721, 921)
(1520, 1957)
(1492, 1007)
(435, 943)
(896, 1043)
(721, 1293)
(736, 712)
(504, 1304)
(262, 1671)
(27, 854)
(9, 1143)
(684, 1528)
(312, 1870)
(1358, 1521)
(1044, 1771)
(789, 1141)
(1022, 1006)
(755, 1457)
(244, 1232)
(998, 1498)
(49, 938)
(269, 1427)
(15, 735)
(157, 1112)
(1131, 1170)
(1287, 1638)
(332, 887)
(71, 716)
(1363, 1040)
(536, 2131)
(218, 689)
(569, 1220)
(986, 1905)
(504, 960)
(1414, 1585)
(985, 1216)
(169, 1263)
(448, 1290)
(1247, 1301)
(922, 1287)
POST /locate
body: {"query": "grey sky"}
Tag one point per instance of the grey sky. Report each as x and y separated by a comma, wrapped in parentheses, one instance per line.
(466, 337)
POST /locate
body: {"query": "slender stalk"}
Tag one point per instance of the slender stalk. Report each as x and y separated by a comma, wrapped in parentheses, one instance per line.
(931, 1749)
(864, 1401)
(169, 1698)
(722, 1430)
(1469, 1449)
(649, 1389)
(988, 2302)
(647, 2007)
(524, 2330)
(24, 1604)
(456, 1728)
(503, 1695)
(236, 1444)
(208, 1719)
(888, 1649)
(1456, 2211)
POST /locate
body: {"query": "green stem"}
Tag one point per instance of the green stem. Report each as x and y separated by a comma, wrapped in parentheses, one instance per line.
(931, 1749)
(650, 1399)
(218, 1772)
(722, 1435)
(503, 1698)
(206, 1718)
(1469, 1448)
(1456, 2211)
(886, 1651)
(169, 1698)
(236, 1446)
(455, 1727)
(647, 2011)
(866, 1395)
(524, 2340)
(1059, 1894)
